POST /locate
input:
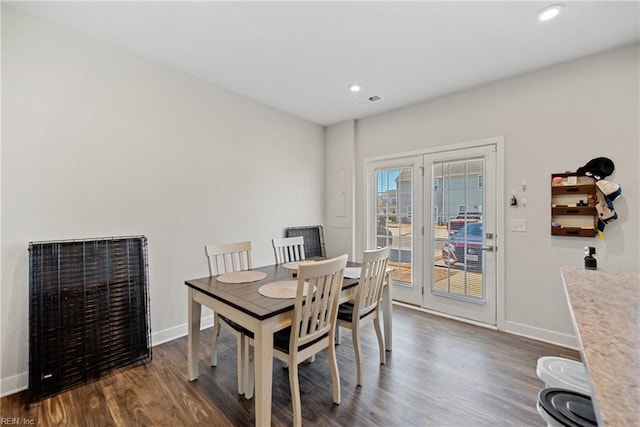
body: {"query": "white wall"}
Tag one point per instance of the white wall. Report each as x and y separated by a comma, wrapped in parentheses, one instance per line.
(97, 142)
(552, 120)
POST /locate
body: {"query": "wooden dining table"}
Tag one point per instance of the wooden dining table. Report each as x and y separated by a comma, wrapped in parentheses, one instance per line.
(242, 303)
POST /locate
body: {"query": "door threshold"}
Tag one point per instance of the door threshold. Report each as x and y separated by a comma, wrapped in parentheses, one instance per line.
(448, 316)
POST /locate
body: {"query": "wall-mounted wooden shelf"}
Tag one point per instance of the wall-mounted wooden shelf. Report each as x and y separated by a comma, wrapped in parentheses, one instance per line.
(573, 231)
(573, 205)
(573, 210)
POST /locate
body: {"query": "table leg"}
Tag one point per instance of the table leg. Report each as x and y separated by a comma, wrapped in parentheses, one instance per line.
(387, 312)
(193, 340)
(263, 362)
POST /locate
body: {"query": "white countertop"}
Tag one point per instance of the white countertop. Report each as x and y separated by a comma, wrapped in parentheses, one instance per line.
(606, 311)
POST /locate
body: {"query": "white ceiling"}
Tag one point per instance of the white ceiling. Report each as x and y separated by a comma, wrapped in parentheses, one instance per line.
(300, 57)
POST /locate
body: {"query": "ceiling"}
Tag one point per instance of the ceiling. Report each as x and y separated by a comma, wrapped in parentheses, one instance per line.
(300, 57)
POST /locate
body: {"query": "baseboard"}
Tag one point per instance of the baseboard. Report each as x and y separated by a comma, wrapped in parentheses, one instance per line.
(176, 332)
(544, 335)
(20, 382)
(538, 334)
(14, 384)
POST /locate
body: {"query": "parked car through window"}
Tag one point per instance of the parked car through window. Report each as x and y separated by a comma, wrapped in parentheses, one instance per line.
(465, 246)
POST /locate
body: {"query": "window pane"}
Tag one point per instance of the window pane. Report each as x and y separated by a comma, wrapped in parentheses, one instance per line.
(457, 231)
(394, 204)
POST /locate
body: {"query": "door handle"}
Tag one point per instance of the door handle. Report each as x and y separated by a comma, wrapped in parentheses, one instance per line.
(487, 248)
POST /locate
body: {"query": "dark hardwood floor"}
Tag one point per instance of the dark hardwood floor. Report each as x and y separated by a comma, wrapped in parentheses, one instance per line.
(440, 373)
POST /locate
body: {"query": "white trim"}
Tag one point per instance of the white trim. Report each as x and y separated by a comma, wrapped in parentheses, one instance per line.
(20, 382)
(530, 332)
(179, 331)
(14, 384)
(440, 149)
(501, 229)
(544, 335)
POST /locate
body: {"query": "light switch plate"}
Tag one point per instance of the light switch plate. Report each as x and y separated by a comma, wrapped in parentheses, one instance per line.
(519, 225)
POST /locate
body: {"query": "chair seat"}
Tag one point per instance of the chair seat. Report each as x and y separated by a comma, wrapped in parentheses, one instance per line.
(281, 340)
(237, 327)
(345, 311)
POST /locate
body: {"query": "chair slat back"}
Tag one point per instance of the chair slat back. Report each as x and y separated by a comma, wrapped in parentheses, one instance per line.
(289, 249)
(369, 293)
(315, 314)
(228, 257)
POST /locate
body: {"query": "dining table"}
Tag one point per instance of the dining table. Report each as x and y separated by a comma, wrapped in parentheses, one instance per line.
(244, 304)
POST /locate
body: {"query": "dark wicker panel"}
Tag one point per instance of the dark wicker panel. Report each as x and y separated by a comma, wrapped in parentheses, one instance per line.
(89, 311)
(313, 239)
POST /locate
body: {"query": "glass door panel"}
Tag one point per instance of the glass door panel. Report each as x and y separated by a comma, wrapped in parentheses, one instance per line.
(394, 199)
(462, 229)
(394, 204)
(458, 194)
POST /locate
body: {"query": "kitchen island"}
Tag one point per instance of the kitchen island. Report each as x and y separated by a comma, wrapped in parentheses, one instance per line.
(605, 306)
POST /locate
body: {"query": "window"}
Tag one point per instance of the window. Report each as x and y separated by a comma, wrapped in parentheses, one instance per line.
(394, 198)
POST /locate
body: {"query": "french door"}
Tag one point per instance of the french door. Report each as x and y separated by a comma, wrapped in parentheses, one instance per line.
(397, 209)
(437, 212)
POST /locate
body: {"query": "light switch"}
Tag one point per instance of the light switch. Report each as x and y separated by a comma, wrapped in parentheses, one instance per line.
(519, 225)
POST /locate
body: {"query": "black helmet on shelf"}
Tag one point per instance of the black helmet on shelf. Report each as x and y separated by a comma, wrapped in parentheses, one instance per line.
(599, 168)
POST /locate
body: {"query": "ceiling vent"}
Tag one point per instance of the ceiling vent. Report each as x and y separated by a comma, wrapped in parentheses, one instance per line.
(369, 100)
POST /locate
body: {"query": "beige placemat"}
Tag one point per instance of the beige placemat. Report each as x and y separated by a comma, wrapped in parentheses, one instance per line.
(282, 289)
(291, 265)
(242, 276)
(354, 272)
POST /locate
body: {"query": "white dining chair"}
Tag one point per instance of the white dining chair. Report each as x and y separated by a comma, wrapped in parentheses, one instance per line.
(227, 258)
(314, 324)
(365, 308)
(288, 249)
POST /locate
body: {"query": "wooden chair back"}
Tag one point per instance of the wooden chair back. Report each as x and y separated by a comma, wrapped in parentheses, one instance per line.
(288, 249)
(315, 313)
(369, 293)
(228, 257)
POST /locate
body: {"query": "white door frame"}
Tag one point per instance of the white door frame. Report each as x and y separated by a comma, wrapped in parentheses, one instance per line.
(501, 228)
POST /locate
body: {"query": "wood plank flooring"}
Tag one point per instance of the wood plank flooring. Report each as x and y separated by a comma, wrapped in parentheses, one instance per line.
(440, 373)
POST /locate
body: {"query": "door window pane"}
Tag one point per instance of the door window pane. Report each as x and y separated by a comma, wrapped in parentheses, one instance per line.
(394, 201)
(458, 229)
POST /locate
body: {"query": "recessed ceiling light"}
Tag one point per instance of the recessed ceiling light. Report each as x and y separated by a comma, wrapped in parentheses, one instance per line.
(548, 13)
(355, 87)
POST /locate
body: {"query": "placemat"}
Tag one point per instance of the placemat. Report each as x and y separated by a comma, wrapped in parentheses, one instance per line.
(242, 276)
(354, 272)
(293, 265)
(282, 289)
